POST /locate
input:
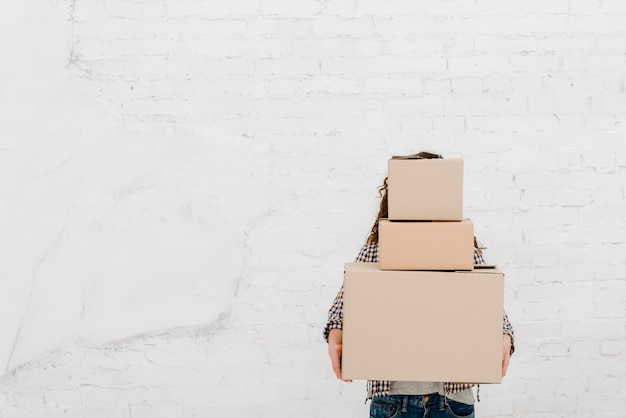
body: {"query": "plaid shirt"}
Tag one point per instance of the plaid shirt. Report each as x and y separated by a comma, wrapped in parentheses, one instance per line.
(369, 253)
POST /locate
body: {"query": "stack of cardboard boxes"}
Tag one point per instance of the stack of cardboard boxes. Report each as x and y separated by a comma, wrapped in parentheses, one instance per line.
(423, 313)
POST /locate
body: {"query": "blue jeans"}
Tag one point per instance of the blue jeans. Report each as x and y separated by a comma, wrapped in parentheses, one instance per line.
(418, 406)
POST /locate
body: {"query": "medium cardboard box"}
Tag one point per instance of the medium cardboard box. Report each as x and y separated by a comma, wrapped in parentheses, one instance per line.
(425, 189)
(422, 325)
(405, 245)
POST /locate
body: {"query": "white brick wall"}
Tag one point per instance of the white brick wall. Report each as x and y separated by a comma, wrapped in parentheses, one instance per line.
(181, 182)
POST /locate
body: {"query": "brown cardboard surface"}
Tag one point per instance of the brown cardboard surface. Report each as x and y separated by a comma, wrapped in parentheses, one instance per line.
(406, 245)
(425, 189)
(421, 325)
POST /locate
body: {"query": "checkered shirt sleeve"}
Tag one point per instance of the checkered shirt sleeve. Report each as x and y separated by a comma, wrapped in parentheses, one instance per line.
(368, 253)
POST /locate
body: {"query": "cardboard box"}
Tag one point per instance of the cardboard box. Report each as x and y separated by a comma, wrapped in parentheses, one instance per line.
(421, 325)
(424, 189)
(404, 245)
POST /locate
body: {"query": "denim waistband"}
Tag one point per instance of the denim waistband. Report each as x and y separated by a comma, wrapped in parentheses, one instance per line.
(413, 400)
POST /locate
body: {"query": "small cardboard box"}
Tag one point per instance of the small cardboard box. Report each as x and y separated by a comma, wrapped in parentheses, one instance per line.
(422, 325)
(425, 189)
(404, 245)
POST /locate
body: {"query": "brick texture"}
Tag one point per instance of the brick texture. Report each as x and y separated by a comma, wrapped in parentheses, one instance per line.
(277, 118)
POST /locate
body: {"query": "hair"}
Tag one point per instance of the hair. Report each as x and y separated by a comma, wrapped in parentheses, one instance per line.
(382, 192)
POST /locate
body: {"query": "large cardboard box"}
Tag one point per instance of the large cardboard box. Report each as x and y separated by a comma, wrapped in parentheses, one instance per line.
(405, 245)
(425, 189)
(422, 325)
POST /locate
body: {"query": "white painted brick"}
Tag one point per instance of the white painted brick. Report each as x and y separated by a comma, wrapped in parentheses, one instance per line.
(541, 103)
(285, 8)
(610, 252)
(612, 348)
(541, 387)
(553, 350)
(538, 311)
(510, 197)
(550, 216)
(496, 405)
(612, 103)
(597, 23)
(190, 8)
(467, 85)
(497, 84)
(400, 86)
(540, 330)
(609, 309)
(504, 44)
(553, 178)
(437, 86)
(337, 45)
(539, 197)
(559, 368)
(124, 9)
(481, 104)
(595, 329)
(576, 310)
(422, 46)
(428, 7)
(603, 215)
(351, 125)
(572, 387)
(150, 28)
(449, 123)
(592, 63)
(558, 85)
(571, 123)
(607, 385)
(609, 196)
(402, 26)
(418, 123)
(338, 7)
(417, 105)
(265, 28)
(599, 158)
(161, 411)
(606, 366)
(550, 274)
(579, 197)
(547, 405)
(537, 63)
(610, 43)
(285, 115)
(480, 65)
(88, 10)
(511, 123)
(287, 67)
(575, 104)
(343, 27)
(585, 7)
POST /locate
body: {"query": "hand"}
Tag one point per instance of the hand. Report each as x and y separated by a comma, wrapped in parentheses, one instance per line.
(334, 351)
(506, 352)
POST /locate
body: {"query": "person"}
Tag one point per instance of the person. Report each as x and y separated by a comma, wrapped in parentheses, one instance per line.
(409, 399)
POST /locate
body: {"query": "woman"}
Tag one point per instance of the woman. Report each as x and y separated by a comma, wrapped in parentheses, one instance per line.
(409, 399)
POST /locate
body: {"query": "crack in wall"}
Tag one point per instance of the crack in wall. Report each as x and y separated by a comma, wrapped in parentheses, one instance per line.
(32, 291)
(72, 58)
(206, 331)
